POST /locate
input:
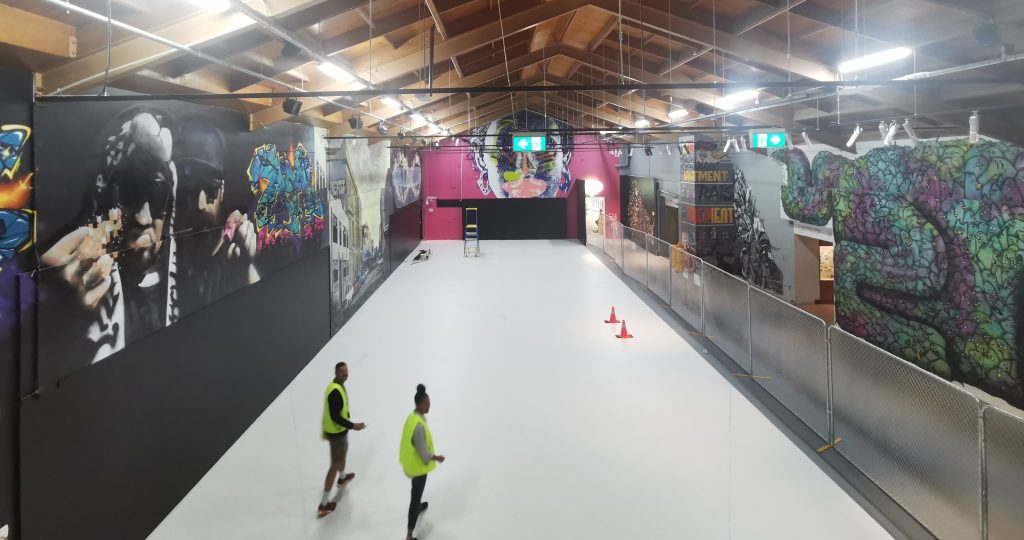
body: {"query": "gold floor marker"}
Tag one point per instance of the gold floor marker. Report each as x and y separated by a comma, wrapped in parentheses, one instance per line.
(835, 443)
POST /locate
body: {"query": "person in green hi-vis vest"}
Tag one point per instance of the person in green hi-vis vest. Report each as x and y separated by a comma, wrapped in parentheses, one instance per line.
(417, 454)
(336, 425)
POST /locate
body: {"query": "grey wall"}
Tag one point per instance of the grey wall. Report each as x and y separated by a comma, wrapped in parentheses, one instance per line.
(664, 169)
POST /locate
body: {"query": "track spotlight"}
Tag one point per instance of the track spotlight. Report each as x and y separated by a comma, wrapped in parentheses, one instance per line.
(382, 128)
(789, 140)
(728, 145)
(741, 143)
(890, 135)
(630, 151)
(648, 150)
(856, 135)
(807, 140)
(975, 126)
(883, 128)
(291, 106)
(910, 131)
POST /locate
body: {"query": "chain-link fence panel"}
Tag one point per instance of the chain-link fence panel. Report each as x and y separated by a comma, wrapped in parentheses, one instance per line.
(1004, 473)
(912, 433)
(726, 314)
(687, 287)
(659, 268)
(790, 346)
(634, 253)
(613, 240)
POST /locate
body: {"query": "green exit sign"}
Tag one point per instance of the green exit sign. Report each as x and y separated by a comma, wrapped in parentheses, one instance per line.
(529, 142)
(768, 139)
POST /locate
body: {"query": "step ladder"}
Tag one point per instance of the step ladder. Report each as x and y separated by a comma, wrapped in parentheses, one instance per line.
(470, 233)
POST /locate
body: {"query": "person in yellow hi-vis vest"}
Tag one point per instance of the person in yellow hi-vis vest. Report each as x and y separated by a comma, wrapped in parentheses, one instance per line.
(417, 454)
(336, 425)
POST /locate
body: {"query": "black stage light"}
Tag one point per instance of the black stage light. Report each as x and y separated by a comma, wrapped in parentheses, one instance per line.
(355, 122)
(291, 106)
(648, 150)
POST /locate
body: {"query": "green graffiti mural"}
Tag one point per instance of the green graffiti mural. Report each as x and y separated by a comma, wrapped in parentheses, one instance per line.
(929, 252)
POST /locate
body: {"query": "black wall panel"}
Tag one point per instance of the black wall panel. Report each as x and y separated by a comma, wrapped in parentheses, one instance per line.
(517, 219)
(405, 232)
(112, 449)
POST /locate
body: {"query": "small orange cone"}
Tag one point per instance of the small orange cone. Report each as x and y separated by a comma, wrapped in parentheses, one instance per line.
(624, 334)
(612, 319)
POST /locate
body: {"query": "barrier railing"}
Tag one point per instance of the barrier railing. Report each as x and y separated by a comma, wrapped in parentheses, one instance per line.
(951, 461)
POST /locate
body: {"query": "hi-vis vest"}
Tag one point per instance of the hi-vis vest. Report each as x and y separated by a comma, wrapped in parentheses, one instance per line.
(330, 427)
(407, 455)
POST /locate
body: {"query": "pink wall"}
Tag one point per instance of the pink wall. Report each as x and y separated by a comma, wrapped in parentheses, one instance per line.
(448, 174)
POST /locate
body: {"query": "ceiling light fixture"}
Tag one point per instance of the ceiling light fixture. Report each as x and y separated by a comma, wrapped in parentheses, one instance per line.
(642, 123)
(392, 102)
(212, 6)
(856, 135)
(975, 126)
(890, 136)
(678, 113)
(418, 117)
(910, 131)
(807, 140)
(876, 59)
(648, 150)
(728, 145)
(335, 71)
(732, 100)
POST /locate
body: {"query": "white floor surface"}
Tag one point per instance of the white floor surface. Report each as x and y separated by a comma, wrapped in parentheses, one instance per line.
(553, 428)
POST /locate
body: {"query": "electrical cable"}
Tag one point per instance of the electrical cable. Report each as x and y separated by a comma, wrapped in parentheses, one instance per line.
(508, 75)
(110, 25)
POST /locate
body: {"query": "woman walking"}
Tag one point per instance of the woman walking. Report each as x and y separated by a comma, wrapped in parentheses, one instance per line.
(417, 454)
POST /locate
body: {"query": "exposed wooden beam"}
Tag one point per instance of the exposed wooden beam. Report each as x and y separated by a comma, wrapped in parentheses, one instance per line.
(37, 33)
(137, 53)
(436, 15)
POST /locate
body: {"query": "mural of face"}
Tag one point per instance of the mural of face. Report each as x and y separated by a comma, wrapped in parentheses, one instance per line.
(929, 252)
(511, 174)
(406, 175)
(139, 182)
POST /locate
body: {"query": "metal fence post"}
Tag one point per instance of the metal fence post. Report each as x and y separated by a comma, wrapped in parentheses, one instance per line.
(828, 400)
(983, 476)
(703, 283)
(750, 334)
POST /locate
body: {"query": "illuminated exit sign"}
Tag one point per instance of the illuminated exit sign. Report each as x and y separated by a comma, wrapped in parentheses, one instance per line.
(768, 139)
(529, 142)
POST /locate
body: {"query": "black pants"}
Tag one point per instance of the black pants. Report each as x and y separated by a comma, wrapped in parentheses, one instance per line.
(418, 483)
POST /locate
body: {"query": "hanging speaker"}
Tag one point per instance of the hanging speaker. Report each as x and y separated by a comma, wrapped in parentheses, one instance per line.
(292, 106)
(355, 122)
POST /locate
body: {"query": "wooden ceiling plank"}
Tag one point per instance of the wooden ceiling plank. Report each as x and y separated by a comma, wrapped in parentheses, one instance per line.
(33, 32)
(137, 52)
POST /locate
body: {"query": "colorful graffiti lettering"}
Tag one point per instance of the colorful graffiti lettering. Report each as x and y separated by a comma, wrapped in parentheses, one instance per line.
(929, 252)
(15, 220)
(287, 206)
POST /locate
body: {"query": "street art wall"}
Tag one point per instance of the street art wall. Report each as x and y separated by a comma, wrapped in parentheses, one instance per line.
(753, 258)
(369, 183)
(150, 212)
(17, 225)
(483, 166)
(929, 252)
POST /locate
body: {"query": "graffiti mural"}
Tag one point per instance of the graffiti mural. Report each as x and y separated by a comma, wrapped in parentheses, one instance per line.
(510, 174)
(15, 188)
(929, 252)
(287, 205)
(406, 175)
(752, 257)
(149, 213)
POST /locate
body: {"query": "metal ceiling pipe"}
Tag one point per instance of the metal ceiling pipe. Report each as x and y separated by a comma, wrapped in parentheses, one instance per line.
(177, 46)
(921, 75)
(290, 37)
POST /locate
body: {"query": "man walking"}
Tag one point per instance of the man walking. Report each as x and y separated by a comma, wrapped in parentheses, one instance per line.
(336, 426)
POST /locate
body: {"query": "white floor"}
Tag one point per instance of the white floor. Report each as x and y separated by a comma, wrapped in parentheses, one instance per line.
(553, 428)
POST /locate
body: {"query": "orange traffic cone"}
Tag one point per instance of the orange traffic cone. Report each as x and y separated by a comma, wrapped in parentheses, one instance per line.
(612, 319)
(624, 334)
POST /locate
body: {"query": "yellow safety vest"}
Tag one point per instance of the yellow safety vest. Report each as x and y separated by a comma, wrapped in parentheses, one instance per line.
(330, 427)
(411, 461)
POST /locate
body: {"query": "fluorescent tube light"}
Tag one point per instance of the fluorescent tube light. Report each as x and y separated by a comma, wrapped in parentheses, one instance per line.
(732, 100)
(910, 131)
(876, 59)
(890, 136)
(212, 6)
(678, 113)
(974, 123)
(335, 71)
(418, 117)
(392, 102)
(642, 123)
(853, 138)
